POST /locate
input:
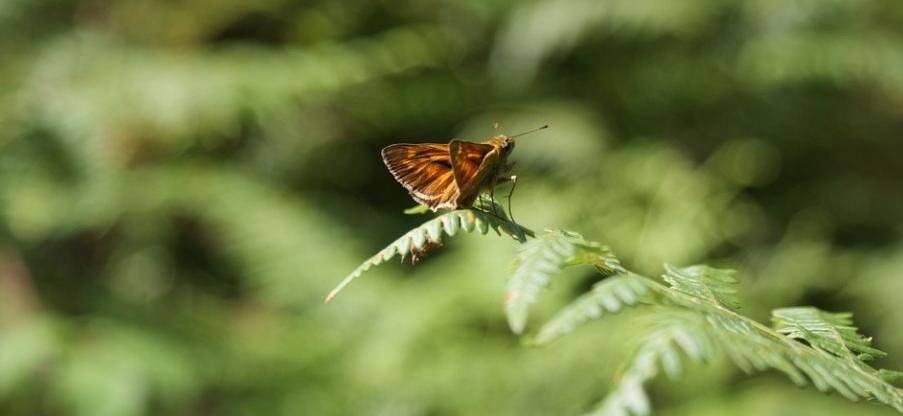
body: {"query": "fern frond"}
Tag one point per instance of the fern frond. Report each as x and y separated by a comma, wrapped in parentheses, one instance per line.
(756, 347)
(891, 376)
(699, 316)
(542, 258)
(537, 262)
(594, 254)
(706, 301)
(830, 332)
(678, 334)
(608, 296)
(753, 346)
(717, 286)
(750, 352)
(431, 232)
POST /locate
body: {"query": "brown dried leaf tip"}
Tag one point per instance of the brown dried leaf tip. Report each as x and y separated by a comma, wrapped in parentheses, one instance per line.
(419, 253)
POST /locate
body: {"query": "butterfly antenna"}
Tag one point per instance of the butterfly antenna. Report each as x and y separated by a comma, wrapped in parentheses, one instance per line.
(544, 126)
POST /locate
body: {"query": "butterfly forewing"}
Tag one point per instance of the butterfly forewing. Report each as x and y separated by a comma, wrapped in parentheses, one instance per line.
(425, 170)
(471, 163)
(466, 158)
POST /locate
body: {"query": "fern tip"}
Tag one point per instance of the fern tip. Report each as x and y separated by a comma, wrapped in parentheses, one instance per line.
(330, 296)
(335, 291)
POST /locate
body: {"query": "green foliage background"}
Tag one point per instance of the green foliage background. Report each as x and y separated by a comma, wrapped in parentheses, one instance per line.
(181, 183)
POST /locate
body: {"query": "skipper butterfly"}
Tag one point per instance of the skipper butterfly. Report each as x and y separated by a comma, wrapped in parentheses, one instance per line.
(451, 175)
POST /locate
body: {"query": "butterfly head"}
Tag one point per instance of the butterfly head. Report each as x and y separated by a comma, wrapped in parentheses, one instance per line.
(505, 143)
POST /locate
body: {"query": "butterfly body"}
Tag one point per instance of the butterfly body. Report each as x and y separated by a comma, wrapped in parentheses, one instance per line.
(449, 175)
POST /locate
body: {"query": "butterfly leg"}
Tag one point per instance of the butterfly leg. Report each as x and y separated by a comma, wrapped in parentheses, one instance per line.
(513, 180)
(492, 198)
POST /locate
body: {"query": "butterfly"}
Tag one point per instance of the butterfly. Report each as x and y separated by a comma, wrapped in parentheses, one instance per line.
(451, 175)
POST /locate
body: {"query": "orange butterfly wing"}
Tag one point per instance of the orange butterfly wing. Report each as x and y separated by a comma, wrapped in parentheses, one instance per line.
(466, 160)
(425, 170)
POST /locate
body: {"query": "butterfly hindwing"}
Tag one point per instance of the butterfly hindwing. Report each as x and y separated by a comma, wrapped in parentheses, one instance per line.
(425, 170)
